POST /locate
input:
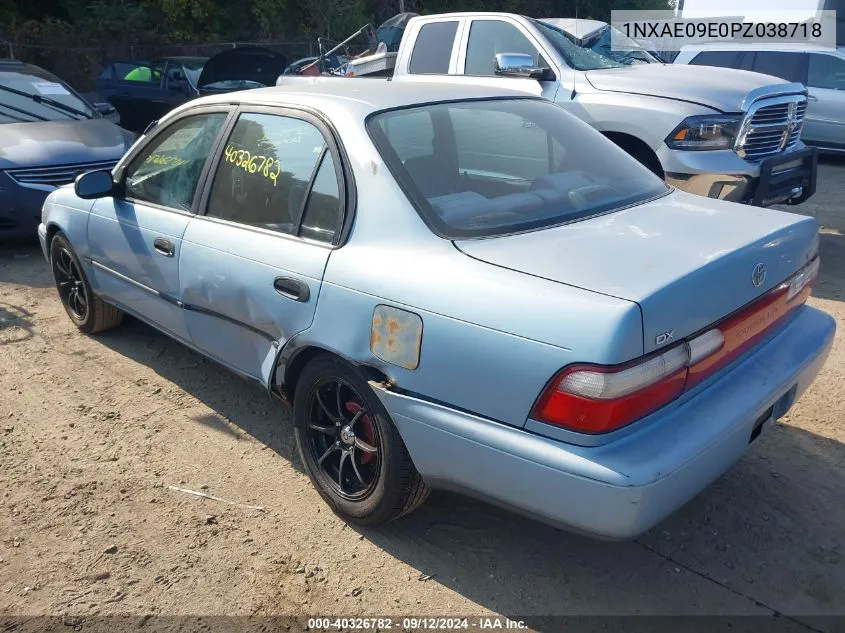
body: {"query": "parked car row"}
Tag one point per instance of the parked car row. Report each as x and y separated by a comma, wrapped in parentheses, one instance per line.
(473, 276)
(144, 91)
(454, 286)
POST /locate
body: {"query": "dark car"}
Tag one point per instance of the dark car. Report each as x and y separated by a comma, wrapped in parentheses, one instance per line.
(143, 91)
(241, 68)
(49, 134)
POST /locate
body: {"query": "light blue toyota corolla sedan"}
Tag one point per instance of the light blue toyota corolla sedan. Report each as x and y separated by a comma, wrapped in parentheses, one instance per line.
(455, 287)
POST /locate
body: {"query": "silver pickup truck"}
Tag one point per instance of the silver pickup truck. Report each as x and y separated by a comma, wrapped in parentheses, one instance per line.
(717, 132)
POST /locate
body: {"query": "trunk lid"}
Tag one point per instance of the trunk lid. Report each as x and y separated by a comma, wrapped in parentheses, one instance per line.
(241, 68)
(686, 260)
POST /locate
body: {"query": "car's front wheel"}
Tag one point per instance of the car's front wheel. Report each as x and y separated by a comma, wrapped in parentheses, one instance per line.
(351, 450)
(87, 311)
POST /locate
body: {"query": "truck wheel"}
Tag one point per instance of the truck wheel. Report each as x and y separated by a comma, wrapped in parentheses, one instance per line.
(87, 311)
(351, 450)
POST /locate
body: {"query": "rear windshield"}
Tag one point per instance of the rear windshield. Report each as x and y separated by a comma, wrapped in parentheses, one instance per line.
(492, 167)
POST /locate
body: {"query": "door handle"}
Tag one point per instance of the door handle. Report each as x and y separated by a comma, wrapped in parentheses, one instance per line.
(163, 247)
(292, 288)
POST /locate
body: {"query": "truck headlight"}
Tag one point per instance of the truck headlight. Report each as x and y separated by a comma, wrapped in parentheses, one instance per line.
(705, 132)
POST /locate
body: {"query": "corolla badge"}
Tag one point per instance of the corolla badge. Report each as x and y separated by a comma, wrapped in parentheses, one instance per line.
(758, 275)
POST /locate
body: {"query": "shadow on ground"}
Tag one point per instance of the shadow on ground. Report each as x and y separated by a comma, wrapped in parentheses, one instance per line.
(16, 324)
(831, 282)
(761, 535)
(35, 274)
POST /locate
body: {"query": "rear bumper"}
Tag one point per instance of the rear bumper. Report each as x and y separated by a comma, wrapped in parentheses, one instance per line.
(786, 178)
(621, 489)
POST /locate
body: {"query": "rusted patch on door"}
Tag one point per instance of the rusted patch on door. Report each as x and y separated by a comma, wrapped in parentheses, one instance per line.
(396, 336)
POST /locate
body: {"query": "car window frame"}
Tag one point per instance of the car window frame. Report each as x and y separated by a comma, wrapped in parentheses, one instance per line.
(131, 82)
(460, 24)
(345, 179)
(119, 173)
(805, 63)
(532, 39)
(824, 54)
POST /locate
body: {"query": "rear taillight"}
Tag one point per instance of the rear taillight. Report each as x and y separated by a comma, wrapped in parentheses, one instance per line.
(599, 399)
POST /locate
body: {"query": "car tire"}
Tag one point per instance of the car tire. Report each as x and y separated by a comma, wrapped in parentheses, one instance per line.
(333, 402)
(87, 310)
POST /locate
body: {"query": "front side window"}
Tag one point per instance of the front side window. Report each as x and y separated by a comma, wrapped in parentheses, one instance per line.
(433, 49)
(274, 171)
(487, 38)
(167, 170)
(720, 59)
(510, 165)
(826, 71)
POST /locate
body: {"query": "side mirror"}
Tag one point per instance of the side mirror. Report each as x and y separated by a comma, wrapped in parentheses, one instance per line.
(94, 184)
(521, 66)
(108, 111)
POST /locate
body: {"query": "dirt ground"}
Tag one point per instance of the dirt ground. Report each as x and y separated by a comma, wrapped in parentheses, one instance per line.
(93, 431)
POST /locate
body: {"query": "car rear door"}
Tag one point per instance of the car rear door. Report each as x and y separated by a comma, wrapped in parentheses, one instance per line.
(138, 93)
(825, 121)
(135, 238)
(253, 261)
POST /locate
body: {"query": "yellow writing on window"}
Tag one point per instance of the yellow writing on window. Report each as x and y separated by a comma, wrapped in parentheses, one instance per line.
(160, 159)
(265, 166)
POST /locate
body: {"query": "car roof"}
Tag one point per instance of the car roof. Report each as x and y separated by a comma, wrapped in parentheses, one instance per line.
(361, 94)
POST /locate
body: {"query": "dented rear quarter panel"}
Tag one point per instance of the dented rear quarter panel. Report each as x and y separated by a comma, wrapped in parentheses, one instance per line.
(491, 337)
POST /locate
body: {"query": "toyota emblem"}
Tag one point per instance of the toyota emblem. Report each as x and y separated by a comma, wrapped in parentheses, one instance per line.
(758, 275)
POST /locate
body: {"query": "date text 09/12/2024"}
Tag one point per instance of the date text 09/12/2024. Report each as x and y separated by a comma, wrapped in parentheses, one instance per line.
(414, 623)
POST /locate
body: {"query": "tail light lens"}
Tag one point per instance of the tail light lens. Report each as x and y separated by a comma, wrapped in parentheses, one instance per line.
(600, 399)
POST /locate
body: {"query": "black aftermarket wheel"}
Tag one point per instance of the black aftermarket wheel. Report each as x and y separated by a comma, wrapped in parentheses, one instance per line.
(90, 313)
(350, 447)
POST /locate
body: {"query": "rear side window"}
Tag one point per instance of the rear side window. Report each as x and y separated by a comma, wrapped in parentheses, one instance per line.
(722, 59)
(433, 49)
(788, 66)
(487, 38)
(502, 166)
(269, 165)
(320, 218)
(143, 73)
(826, 71)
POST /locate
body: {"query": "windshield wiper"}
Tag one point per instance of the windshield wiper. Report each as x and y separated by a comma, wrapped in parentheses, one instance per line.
(26, 112)
(57, 105)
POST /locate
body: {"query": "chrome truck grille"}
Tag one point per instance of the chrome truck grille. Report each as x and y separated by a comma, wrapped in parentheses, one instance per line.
(55, 175)
(771, 127)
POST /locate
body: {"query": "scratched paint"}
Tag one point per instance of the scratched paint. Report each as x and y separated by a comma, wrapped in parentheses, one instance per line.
(396, 336)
